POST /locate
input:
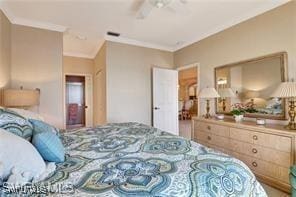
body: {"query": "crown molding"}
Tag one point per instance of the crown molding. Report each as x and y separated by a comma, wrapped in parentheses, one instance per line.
(30, 23)
(139, 43)
(97, 49)
(59, 28)
(7, 12)
(40, 25)
(235, 21)
(91, 55)
(81, 55)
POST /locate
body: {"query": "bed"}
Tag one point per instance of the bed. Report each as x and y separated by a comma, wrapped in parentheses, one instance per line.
(131, 159)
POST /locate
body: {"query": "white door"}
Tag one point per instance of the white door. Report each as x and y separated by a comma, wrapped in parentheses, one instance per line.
(165, 100)
(88, 101)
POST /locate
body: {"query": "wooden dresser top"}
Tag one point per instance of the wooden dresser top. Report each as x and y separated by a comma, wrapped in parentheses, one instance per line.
(251, 125)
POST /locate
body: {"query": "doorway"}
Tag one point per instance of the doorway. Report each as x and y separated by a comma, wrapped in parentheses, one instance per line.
(75, 101)
(188, 87)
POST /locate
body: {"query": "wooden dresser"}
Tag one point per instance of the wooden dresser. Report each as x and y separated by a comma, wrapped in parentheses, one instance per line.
(268, 150)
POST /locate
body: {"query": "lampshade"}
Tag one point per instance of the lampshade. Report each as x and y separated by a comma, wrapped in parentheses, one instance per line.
(285, 90)
(208, 93)
(251, 94)
(21, 98)
(226, 92)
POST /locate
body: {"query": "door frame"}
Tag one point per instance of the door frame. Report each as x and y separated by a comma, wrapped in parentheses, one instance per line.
(197, 65)
(64, 94)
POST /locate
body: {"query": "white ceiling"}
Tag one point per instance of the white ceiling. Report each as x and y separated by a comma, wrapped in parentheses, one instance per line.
(162, 29)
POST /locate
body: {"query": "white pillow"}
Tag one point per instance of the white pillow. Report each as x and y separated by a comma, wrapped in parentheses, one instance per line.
(21, 154)
(27, 114)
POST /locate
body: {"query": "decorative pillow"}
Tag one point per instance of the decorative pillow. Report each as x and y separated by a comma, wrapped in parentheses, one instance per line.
(19, 153)
(15, 123)
(49, 146)
(1, 172)
(27, 114)
(16, 177)
(50, 168)
(40, 126)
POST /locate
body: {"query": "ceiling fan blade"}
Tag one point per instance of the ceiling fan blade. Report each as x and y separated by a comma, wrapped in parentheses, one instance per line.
(184, 1)
(144, 10)
(178, 7)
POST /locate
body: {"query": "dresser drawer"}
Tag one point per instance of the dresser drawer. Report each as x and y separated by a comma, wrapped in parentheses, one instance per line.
(259, 152)
(202, 142)
(264, 168)
(212, 139)
(202, 136)
(277, 142)
(217, 148)
(212, 128)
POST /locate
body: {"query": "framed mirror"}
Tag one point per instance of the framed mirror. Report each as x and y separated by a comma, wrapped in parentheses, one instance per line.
(250, 83)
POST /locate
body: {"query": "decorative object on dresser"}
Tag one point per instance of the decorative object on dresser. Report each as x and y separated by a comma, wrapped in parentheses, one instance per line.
(225, 93)
(208, 93)
(220, 116)
(238, 111)
(21, 98)
(268, 150)
(260, 121)
(288, 90)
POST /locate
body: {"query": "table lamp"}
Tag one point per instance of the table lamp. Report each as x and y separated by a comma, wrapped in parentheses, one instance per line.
(225, 93)
(21, 98)
(288, 90)
(208, 93)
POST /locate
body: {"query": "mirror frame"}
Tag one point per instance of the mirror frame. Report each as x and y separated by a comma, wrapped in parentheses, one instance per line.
(284, 76)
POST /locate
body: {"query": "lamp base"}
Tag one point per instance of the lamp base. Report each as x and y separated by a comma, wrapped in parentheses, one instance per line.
(291, 126)
(292, 114)
(207, 116)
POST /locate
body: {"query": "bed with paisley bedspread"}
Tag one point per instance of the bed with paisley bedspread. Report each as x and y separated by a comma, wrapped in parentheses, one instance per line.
(131, 159)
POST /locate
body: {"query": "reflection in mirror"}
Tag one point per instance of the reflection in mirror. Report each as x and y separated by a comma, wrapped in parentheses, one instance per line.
(251, 83)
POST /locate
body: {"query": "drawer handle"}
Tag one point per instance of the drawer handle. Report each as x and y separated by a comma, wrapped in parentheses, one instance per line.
(254, 150)
(255, 137)
(254, 164)
(209, 138)
(209, 127)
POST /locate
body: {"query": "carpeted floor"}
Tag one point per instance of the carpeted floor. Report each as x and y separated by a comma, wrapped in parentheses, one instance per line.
(272, 192)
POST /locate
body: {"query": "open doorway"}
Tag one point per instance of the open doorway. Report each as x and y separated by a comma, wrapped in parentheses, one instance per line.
(78, 100)
(75, 101)
(187, 100)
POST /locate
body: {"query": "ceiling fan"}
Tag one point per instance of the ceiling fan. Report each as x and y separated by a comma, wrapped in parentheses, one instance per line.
(175, 6)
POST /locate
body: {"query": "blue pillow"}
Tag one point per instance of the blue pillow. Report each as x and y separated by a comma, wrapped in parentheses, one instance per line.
(49, 146)
(16, 124)
(40, 126)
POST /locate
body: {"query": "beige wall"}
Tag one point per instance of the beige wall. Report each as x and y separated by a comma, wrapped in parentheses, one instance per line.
(37, 62)
(129, 74)
(268, 33)
(77, 65)
(5, 50)
(100, 87)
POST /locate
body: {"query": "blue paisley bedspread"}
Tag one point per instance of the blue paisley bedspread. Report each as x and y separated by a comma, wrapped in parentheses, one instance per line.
(131, 159)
